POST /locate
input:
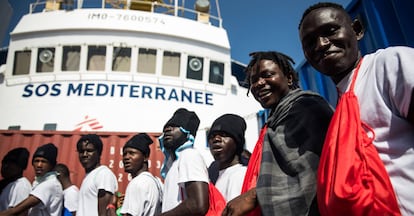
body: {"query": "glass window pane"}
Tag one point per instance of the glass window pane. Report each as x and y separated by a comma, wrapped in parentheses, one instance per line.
(121, 59)
(147, 60)
(21, 62)
(45, 59)
(171, 64)
(216, 73)
(96, 58)
(195, 68)
(71, 58)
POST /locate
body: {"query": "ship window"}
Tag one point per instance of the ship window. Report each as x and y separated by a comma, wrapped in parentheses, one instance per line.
(147, 60)
(195, 68)
(14, 127)
(22, 62)
(96, 58)
(71, 58)
(121, 59)
(171, 64)
(50, 126)
(45, 59)
(216, 72)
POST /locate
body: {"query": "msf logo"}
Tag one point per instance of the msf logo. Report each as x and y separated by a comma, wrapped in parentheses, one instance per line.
(89, 124)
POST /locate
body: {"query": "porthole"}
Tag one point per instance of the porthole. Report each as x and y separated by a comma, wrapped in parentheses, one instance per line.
(195, 64)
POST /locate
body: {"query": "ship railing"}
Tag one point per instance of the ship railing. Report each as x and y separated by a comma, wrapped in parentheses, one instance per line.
(179, 8)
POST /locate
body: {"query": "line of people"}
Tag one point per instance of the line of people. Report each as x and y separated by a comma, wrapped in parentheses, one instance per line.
(284, 175)
(183, 192)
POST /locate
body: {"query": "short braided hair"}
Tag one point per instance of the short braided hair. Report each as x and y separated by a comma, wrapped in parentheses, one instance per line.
(321, 5)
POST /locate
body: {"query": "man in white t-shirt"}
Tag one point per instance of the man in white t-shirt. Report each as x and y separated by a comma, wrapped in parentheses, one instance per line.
(14, 188)
(46, 197)
(70, 191)
(99, 184)
(384, 87)
(184, 169)
(226, 141)
(143, 195)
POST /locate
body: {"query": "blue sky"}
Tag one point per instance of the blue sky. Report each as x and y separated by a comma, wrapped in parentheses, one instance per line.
(265, 25)
(251, 25)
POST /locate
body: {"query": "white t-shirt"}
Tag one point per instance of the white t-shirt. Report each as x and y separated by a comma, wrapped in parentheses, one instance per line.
(50, 193)
(384, 86)
(99, 178)
(230, 181)
(143, 196)
(71, 197)
(14, 193)
(189, 166)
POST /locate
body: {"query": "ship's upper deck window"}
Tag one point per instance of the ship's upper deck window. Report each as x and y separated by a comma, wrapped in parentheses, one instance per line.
(45, 59)
(21, 63)
(216, 72)
(71, 58)
(96, 58)
(195, 68)
(147, 60)
(171, 64)
(75, 58)
(121, 59)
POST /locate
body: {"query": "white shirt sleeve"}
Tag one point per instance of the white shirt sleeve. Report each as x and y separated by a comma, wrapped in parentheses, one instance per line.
(106, 180)
(398, 69)
(192, 167)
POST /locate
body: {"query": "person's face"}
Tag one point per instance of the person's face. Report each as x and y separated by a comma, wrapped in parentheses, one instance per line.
(41, 166)
(223, 148)
(10, 170)
(173, 137)
(330, 41)
(268, 83)
(133, 160)
(88, 156)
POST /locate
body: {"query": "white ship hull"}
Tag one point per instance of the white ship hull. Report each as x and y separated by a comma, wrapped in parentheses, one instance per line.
(45, 94)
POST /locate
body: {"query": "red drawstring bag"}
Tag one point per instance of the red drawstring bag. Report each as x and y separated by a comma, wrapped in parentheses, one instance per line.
(352, 179)
(216, 201)
(253, 168)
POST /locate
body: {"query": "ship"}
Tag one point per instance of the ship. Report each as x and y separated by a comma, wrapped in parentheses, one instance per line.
(117, 68)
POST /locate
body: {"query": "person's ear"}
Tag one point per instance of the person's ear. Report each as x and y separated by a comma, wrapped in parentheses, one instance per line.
(358, 29)
(290, 79)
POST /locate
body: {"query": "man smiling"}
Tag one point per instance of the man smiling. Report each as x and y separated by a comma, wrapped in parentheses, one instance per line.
(383, 85)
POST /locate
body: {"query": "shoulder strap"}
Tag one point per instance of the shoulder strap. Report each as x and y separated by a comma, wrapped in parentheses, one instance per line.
(351, 88)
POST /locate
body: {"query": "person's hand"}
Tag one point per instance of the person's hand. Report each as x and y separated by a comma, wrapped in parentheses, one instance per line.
(118, 199)
(242, 204)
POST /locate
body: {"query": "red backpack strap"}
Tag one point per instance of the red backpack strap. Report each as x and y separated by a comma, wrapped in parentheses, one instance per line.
(253, 168)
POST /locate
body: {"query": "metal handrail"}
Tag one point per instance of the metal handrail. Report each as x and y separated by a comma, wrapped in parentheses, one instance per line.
(157, 6)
